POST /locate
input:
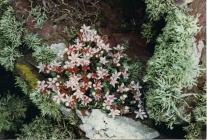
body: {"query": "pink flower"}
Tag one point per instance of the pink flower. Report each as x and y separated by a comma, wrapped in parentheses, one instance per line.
(103, 60)
(52, 84)
(97, 85)
(87, 33)
(106, 47)
(101, 72)
(114, 112)
(58, 98)
(109, 100)
(74, 58)
(114, 78)
(70, 101)
(41, 86)
(79, 94)
(73, 82)
(85, 100)
(122, 88)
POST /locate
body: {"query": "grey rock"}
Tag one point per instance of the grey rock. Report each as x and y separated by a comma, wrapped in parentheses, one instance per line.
(98, 125)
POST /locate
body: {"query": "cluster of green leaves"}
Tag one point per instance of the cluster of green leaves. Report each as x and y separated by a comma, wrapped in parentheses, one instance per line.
(47, 128)
(172, 68)
(10, 39)
(43, 102)
(38, 16)
(42, 53)
(12, 111)
(157, 8)
(136, 69)
(194, 130)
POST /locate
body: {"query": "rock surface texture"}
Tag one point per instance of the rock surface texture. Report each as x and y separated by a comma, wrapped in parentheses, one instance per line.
(100, 126)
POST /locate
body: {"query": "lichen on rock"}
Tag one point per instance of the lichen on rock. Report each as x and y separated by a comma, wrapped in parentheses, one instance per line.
(100, 126)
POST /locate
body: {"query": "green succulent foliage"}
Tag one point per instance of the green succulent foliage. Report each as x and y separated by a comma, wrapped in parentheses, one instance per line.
(157, 8)
(44, 55)
(136, 69)
(200, 109)
(10, 39)
(45, 104)
(20, 82)
(195, 128)
(12, 110)
(194, 131)
(32, 40)
(8, 55)
(38, 15)
(147, 32)
(47, 128)
(172, 68)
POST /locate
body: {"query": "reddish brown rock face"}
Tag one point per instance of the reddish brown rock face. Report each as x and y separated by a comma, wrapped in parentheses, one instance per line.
(199, 9)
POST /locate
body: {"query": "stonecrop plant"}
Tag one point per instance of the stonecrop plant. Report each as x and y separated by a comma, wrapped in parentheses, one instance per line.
(91, 74)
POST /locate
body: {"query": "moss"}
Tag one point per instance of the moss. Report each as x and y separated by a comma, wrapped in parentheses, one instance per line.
(28, 74)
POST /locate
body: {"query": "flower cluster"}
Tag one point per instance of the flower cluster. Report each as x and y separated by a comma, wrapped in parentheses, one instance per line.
(92, 74)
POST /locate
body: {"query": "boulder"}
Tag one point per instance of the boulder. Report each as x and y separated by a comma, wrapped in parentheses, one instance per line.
(99, 125)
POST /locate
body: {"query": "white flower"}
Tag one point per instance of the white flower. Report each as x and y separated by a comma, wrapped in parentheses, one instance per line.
(114, 112)
(122, 88)
(41, 67)
(140, 114)
(74, 58)
(114, 78)
(123, 97)
(73, 82)
(69, 101)
(41, 86)
(109, 99)
(84, 62)
(135, 86)
(119, 48)
(58, 98)
(85, 100)
(79, 94)
(106, 47)
(97, 85)
(52, 84)
(87, 33)
(101, 72)
(103, 60)
(126, 109)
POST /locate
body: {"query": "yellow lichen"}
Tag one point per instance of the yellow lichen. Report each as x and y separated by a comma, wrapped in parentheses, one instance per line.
(27, 74)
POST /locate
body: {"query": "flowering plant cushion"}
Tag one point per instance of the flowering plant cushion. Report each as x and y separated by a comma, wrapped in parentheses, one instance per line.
(90, 74)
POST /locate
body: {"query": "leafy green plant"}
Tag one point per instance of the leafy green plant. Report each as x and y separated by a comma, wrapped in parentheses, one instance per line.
(172, 68)
(45, 104)
(8, 55)
(46, 128)
(12, 111)
(10, 40)
(38, 16)
(157, 8)
(42, 53)
(136, 69)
